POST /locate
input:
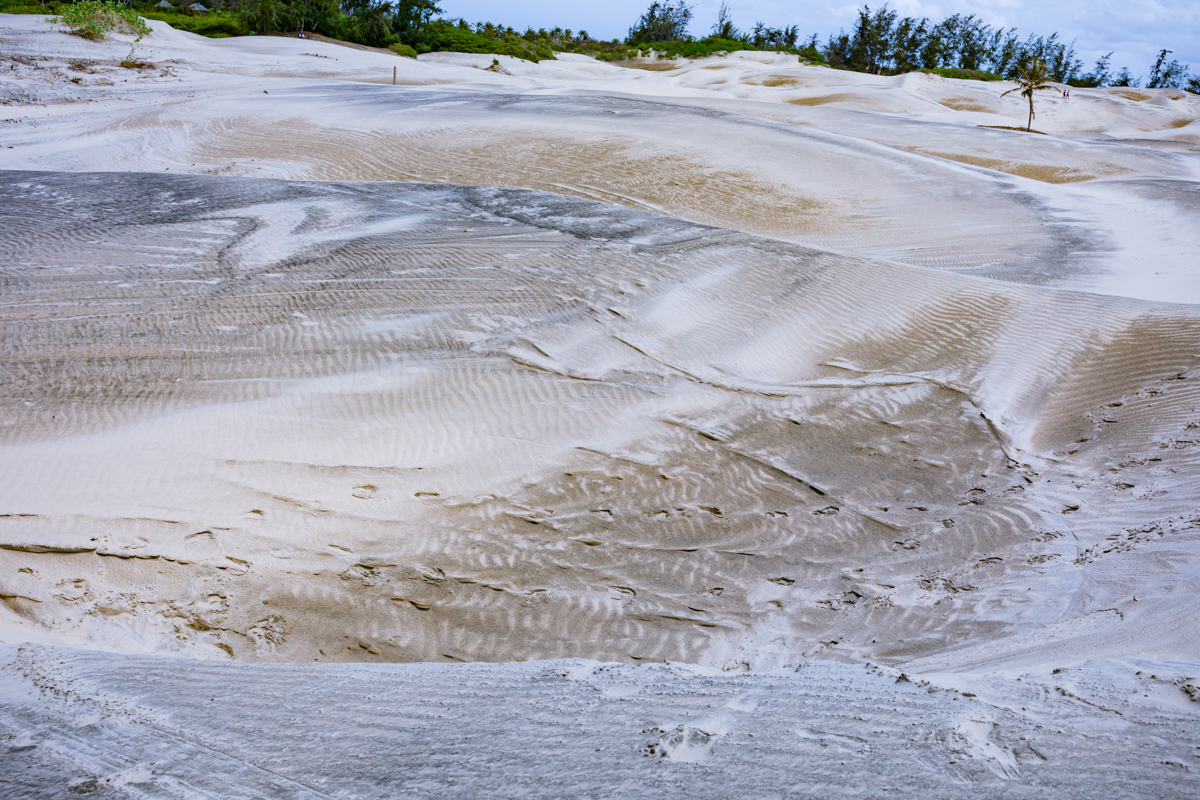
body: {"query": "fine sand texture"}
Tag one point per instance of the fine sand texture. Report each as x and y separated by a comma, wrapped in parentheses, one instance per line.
(803, 378)
(306, 420)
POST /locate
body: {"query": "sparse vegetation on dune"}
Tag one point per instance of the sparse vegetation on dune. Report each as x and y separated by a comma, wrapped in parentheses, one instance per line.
(1034, 78)
(964, 74)
(95, 20)
(880, 42)
(215, 25)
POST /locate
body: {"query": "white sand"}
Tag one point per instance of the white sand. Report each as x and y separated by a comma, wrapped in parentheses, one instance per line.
(302, 366)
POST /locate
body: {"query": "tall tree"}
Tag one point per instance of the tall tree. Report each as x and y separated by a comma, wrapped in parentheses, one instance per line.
(837, 49)
(1099, 77)
(257, 16)
(907, 39)
(871, 40)
(724, 28)
(1166, 75)
(1064, 65)
(411, 19)
(1034, 77)
(1124, 78)
(974, 38)
(662, 22)
(1006, 52)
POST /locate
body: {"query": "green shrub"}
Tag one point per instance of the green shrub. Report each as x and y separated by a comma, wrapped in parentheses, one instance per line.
(214, 24)
(813, 54)
(95, 20)
(713, 45)
(691, 49)
(402, 49)
(442, 36)
(26, 7)
(964, 74)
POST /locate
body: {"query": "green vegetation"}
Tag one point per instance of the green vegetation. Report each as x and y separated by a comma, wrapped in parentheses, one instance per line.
(1166, 75)
(662, 22)
(1034, 77)
(25, 7)
(1099, 76)
(664, 29)
(699, 48)
(92, 19)
(462, 39)
(880, 42)
(964, 74)
(883, 43)
(215, 24)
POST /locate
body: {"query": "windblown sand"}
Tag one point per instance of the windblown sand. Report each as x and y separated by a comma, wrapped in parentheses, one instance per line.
(804, 378)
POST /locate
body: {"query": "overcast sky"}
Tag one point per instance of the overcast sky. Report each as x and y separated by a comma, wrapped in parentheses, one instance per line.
(1135, 30)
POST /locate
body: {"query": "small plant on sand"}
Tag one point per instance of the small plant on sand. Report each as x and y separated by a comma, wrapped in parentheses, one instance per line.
(95, 20)
(1034, 76)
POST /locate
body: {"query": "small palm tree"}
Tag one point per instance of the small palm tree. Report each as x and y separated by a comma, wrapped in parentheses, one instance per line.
(1034, 76)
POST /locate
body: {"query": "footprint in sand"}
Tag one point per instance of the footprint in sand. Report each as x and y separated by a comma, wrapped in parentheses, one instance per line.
(836, 742)
(688, 744)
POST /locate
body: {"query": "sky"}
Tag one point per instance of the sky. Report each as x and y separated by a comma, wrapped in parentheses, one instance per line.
(1134, 30)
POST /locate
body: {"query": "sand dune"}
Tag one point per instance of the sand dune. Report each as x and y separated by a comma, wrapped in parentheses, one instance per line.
(740, 363)
(468, 423)
(824, 176)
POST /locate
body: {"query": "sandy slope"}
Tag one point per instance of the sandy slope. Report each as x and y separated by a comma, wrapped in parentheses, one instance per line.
(885, 179)
(440, 422)
(744, 363)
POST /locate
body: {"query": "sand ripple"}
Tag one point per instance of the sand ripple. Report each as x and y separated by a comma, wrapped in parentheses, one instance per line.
(295, 420)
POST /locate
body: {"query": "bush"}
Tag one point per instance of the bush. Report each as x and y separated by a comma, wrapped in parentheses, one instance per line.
(402, 49)
(27, 7)
(811, 53)
(214, 24)
(689, 48)
(964, 74)
(95, 20)
(451, 38)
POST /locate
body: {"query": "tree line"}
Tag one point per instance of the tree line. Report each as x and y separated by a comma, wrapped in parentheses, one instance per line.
(883, 43)
(880, 42)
